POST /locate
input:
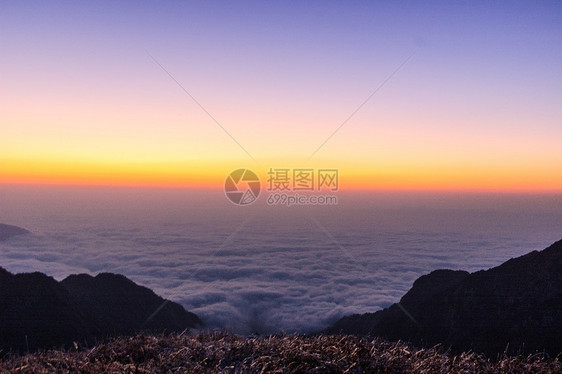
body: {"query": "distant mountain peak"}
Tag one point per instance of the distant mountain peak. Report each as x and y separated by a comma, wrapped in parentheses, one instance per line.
(8, 231)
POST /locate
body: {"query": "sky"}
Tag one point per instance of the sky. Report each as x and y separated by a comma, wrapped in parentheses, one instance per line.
(433, 96)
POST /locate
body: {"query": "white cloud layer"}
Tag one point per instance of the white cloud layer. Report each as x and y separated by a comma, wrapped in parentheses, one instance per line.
(279, 270)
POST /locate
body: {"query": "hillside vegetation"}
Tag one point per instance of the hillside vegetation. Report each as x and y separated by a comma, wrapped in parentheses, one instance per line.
(227, 353)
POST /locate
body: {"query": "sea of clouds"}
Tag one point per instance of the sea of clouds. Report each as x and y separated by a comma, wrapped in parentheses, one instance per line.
(265, 269)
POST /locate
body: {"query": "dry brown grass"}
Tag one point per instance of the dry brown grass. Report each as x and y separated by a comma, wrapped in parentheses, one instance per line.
(221, 352)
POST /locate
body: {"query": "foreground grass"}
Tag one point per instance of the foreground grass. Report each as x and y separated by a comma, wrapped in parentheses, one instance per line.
(227, 353)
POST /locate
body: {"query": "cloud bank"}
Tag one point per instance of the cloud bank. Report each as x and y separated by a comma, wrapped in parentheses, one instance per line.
(267, 272)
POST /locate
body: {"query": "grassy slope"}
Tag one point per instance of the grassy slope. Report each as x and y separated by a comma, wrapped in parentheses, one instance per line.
(224, 352)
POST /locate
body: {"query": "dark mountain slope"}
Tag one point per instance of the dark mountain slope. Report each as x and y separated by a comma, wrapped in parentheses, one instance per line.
(117, 301)
(37, 307)
(517, 303)
(51, 313)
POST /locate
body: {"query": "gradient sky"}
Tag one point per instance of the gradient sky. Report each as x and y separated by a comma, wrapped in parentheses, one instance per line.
(477, 107)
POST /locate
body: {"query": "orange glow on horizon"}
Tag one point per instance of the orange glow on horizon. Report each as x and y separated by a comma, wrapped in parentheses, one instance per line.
(211, 175)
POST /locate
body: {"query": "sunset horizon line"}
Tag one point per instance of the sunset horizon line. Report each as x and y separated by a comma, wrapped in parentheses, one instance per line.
(343, 190)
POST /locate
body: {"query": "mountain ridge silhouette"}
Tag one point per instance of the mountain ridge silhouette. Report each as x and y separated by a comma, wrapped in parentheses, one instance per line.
(37, 312)
(514, 307)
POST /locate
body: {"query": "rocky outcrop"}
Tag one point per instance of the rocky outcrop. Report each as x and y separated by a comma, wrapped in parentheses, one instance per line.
(516, 306)
(36, 311)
